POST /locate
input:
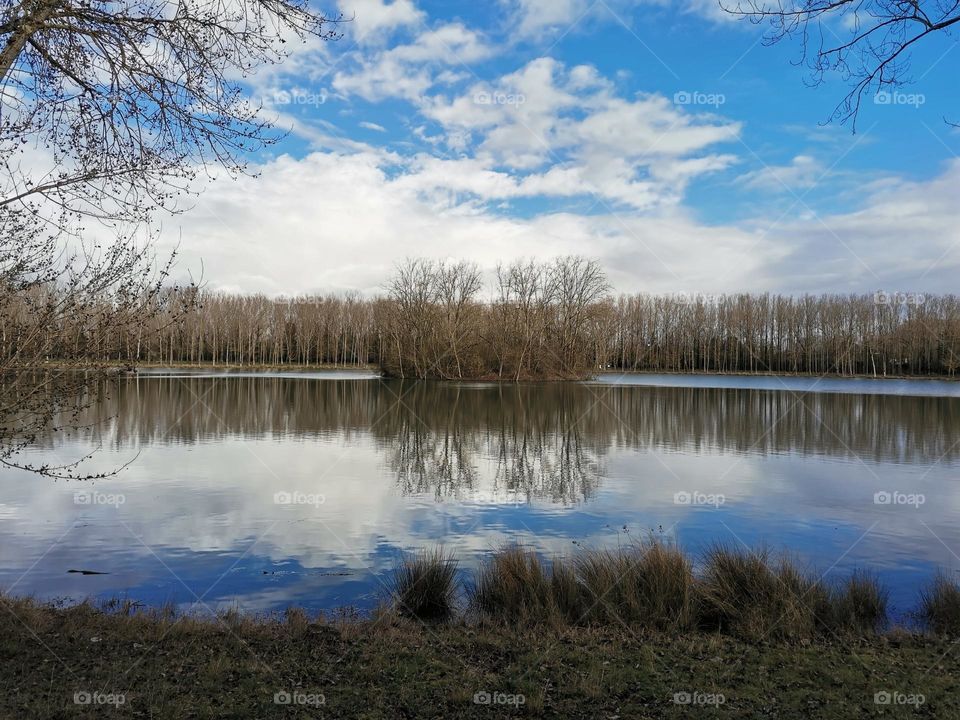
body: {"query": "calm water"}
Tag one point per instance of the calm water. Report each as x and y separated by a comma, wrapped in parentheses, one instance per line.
(262, 491)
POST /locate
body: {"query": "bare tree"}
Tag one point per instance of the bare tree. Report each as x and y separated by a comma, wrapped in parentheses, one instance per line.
(520, 314)
(74, 308)
(577, 285)
(111, 109)
(457, 287)
(868, 42)
(541, 324)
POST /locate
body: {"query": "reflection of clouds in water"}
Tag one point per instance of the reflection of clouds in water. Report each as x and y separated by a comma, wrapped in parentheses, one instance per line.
(543, 464)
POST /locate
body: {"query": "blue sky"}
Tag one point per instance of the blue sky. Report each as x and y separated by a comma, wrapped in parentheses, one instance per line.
(662, 138)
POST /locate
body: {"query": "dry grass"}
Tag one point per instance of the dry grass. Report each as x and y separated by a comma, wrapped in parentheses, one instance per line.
(859, 605)
(425, 586)
(550, 641)
(648, 585)
(514, 586)
(940, 606)
(652, 586)
(751, 595)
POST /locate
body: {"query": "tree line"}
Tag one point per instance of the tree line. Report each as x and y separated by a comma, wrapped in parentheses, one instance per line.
(536, 320)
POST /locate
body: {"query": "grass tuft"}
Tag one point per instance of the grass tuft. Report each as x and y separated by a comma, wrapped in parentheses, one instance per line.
(748, 594)
(940, 606)
(425, 586)
(652, 586)
(860, 605)
(649, 585)
(513, 586)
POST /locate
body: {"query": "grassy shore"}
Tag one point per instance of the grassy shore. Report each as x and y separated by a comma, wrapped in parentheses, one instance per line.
(626, 634)
(80, 662)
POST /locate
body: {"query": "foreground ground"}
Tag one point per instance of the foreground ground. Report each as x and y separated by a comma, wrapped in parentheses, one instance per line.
(84, 663)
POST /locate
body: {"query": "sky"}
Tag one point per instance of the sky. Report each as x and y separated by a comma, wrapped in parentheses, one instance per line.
(663, 138)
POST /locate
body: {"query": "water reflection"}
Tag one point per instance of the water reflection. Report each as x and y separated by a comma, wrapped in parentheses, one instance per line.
(549, 438)
(402, 465)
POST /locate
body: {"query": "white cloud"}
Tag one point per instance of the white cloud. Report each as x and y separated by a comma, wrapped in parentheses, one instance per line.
(408, 71)
(538, 15)
(573, 135)
(546, 160)
(340, 221)
(374, 20)
(336, 221)
(903, 238)
(803, 172)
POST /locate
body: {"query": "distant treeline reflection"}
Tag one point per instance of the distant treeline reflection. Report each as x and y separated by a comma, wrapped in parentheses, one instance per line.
(539, 440)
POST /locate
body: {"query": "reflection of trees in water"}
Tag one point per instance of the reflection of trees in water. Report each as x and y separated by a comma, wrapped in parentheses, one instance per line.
(438, 435)
(537, 440)
(558, 466)
(879, 428)
(425, 461)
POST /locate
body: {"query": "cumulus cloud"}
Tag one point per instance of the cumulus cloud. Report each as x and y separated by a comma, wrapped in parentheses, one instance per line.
(407, 71)
(339, 221)
(374, 20)
(569, 130)
(548, 159)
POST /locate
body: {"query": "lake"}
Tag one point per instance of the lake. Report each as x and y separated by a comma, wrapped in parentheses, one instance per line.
(264, 490)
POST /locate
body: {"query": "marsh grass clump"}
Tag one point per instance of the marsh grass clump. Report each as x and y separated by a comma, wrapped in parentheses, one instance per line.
(748, 594)
(513, 585)
(652, 586)
(425, 586)
(859, 605)
(940, 605)
(647, 585)
(566, 592)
